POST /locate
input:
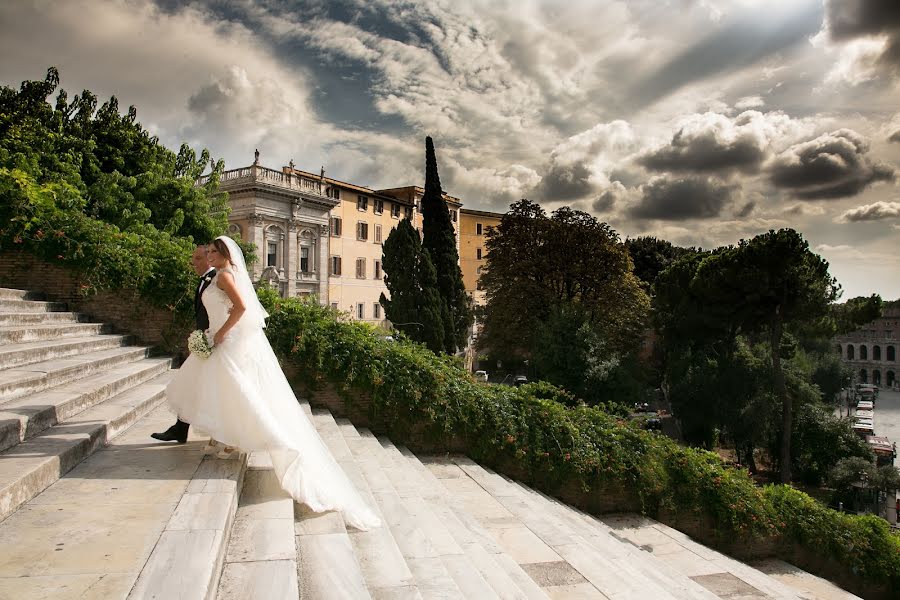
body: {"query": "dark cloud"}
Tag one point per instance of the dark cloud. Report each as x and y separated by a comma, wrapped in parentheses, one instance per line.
(683, 198)
(566, 182)
(833, 165)
(742, 42)
(895, 137)
(608, 198)
(705, 152)
(849, 19)
(878, 211)
(745, 210)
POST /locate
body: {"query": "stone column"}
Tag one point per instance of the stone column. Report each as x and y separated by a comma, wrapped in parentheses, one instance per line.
(256, 235)
(291, 257)
(323, 265)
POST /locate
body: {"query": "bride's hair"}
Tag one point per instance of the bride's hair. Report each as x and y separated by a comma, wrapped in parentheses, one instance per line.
(222, 248)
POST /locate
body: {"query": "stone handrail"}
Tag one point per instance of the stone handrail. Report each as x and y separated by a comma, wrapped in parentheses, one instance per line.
(271, 176)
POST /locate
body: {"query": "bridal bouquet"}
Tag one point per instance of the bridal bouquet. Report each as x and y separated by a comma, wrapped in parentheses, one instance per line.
(199, 345)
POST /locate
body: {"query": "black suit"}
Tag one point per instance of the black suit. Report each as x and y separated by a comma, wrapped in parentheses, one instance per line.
(179, 431)
(200, 314)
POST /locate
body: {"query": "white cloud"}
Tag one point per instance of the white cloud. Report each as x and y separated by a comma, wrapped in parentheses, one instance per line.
(877, 211)
(857, 62)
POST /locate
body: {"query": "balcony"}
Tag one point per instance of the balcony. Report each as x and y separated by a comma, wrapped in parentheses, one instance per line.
(261, 175)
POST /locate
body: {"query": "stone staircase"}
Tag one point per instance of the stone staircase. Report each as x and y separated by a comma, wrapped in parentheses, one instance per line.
(92, 507)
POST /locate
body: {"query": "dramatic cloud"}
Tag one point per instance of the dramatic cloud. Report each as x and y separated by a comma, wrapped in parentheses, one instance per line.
(746, 210)
(834, 165)
(682, 198)
(711, 142)
(607, 200)
(877, 19)
(895, 137)
(878, 211)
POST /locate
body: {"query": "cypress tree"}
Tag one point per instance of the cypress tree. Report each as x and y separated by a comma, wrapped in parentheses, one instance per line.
(439, 239)
(414, 307)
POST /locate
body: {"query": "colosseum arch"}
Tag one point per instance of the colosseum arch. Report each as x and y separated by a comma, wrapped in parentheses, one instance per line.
(863, 352)
(889, 379)
(891, 354)
(863, 376)
(876, 376)
(876, 352)
(850, 355)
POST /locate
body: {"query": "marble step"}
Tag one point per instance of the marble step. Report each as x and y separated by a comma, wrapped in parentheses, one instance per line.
(261, 557)
(30, 306)
(805, 584)
(484, 557)
(13, 294)
(382, 562)
(616, 568)
(28, 379)
(329, 567)
(89, 534)
(17, 355)
(27, 416)
(31, 466)
(40, 318)
(15, 334)
(188, 559)
(712, 569)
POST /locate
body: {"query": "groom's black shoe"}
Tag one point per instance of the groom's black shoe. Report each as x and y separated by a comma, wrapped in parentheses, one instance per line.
(176, 433)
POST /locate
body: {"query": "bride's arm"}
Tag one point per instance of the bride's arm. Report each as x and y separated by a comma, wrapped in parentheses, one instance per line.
(226, 284)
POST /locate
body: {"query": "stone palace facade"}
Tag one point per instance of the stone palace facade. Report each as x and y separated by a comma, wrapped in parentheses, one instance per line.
(871, 351)
(318, 236)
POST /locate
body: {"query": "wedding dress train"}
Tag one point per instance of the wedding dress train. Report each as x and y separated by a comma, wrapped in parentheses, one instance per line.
(240, 397)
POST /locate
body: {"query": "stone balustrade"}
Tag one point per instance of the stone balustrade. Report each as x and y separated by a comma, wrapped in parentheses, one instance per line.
(260, 174)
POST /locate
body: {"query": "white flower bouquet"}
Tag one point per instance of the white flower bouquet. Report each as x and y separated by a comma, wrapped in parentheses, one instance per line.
(198, 344)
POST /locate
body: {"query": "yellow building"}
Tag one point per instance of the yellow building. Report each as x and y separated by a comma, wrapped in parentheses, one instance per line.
(473, 228)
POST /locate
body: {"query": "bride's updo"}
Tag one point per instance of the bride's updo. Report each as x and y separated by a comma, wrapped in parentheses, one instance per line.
(222, 248)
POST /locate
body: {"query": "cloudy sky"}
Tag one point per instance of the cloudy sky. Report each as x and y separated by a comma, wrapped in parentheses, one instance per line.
(699, 121)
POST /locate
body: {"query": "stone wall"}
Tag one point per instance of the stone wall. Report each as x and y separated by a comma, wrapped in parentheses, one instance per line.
(125, 310)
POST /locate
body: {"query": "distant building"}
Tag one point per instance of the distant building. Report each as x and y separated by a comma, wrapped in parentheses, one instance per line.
(871, 351)
(318, 236)
(473, 228)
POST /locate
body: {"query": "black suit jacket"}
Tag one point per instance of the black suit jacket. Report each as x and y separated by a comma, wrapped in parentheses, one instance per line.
(200, 313)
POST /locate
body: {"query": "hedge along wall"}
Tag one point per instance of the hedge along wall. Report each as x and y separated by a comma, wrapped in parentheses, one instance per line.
(582, 455)
(125, 310)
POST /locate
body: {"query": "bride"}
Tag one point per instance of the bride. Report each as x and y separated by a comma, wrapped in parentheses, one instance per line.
(240, 396)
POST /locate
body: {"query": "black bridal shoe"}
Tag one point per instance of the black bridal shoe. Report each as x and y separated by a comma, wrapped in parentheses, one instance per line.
(176, 433)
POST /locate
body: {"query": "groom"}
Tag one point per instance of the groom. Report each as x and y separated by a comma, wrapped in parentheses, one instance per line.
(179, 431)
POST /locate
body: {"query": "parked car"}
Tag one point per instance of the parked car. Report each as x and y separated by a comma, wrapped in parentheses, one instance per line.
(520, 380)
(481, 376)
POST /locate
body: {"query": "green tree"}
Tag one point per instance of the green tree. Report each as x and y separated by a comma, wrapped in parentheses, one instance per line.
(561, 292)
(439, 239)
(651, 256)
(414, 306)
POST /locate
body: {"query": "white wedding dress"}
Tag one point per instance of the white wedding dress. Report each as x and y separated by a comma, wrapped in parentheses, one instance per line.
(240, 397)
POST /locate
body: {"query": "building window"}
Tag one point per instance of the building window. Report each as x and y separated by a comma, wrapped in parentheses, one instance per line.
(378, 234)
(362, 203)
(376, 311)
(378, 206)
(304, 259)
(863, 353)
(850, 352)
(407, 212)
(891, 354)
(876, 352)
(453, 215)
(333, 192)
(362, 231)
(395, 210)
(334, 306)
(335, 265)
(876, 377)
(271, 254)
(377, 269)
(478, 253)
(360, 268)
(335, 226)
(478, 230)
(360, 311)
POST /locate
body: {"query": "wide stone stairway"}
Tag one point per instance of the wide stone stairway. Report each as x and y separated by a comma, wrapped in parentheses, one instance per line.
(92, 507)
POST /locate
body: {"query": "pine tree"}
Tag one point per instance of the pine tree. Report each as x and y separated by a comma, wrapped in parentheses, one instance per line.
(439, 239)
(414, 307)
